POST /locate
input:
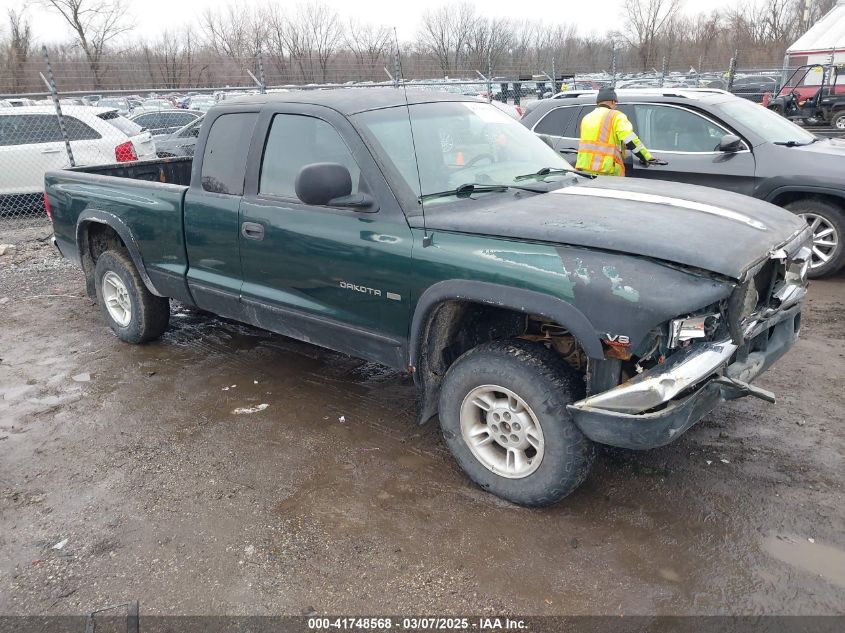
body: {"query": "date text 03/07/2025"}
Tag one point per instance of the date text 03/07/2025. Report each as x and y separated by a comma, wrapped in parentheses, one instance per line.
(416, 623)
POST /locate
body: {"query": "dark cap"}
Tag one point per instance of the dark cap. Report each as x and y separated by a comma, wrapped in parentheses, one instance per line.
(606, 94)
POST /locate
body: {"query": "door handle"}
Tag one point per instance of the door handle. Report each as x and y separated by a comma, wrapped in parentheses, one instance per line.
(252, 231)
(568, 151)
(51, 151)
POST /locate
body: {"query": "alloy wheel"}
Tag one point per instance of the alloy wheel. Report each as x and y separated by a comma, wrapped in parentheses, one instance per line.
(116, 298)
(825, 239)
(502, 431)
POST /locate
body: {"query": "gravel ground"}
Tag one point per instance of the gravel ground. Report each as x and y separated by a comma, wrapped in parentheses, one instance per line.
(330, 500)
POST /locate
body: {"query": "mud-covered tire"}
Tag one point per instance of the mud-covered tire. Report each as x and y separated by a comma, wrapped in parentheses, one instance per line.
(545, 384)
(831, 217)
(136, 315)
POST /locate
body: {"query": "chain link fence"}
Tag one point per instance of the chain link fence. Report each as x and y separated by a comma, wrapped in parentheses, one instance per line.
(34, 140)
(135, 111)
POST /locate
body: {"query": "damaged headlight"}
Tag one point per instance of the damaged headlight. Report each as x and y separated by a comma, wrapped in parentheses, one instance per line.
(690, 328)
(741, 305)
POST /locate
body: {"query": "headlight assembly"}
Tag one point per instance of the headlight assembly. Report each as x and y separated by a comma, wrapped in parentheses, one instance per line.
(690, 328)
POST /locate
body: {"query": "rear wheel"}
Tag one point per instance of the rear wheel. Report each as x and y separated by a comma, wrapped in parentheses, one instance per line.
(838, 120)
(503, 415)
(134, 314)
(828, 223)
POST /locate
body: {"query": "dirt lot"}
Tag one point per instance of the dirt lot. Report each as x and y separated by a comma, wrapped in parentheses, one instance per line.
(331, 499)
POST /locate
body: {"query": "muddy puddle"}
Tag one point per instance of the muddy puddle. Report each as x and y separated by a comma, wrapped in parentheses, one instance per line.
(331, 496)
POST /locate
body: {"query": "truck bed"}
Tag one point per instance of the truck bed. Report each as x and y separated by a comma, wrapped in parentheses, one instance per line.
(142, 200)
(175, 171)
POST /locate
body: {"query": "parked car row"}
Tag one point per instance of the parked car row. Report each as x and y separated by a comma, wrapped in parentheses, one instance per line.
(32, 143)
(713, 138)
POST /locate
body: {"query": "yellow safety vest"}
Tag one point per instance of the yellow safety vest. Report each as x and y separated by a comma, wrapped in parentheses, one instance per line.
(604, 133)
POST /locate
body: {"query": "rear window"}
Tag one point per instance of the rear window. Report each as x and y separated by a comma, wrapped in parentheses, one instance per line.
(556, 121)
(121, 123)
(78, 131)
(224, 160)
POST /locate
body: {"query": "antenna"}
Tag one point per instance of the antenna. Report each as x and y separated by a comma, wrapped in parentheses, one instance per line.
(426, 237)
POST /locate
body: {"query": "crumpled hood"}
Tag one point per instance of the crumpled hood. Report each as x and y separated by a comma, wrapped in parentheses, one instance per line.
(694, 226)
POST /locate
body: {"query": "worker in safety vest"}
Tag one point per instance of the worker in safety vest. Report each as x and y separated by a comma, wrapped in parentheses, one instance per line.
(605, 133)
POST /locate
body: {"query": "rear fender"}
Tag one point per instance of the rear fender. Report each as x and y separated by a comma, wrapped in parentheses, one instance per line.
(91, 217)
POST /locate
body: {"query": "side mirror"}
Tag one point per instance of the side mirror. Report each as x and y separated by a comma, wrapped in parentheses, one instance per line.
(730, 143)
(320, 183)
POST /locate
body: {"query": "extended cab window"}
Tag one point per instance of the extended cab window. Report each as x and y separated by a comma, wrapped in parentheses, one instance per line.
(295, 141)
(671, 129)
(224, 160)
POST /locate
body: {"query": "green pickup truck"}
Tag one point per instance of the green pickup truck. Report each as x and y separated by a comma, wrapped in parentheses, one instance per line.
(538, 309)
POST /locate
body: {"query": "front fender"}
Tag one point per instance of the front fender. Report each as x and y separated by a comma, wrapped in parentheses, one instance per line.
(629, 295)
(502, 296)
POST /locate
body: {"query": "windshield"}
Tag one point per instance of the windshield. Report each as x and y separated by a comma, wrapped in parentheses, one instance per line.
(457, 143)
(767, 124)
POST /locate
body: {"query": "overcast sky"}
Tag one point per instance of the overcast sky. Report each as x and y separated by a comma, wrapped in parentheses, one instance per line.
(150, 16)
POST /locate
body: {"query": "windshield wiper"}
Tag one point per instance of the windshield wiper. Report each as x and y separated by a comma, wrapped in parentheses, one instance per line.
(467, 189)
(546, 171)
(794, 143)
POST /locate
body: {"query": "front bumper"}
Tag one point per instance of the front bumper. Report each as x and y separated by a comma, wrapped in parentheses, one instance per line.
(688, 385)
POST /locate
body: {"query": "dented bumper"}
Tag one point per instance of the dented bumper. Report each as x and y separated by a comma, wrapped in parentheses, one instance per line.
(657, 406)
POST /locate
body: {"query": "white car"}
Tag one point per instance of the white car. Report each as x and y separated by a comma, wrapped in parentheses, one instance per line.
(203, 103)
(31, 143)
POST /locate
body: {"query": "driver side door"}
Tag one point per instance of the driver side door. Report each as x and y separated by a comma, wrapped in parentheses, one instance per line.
(335, 276)
(689, 142)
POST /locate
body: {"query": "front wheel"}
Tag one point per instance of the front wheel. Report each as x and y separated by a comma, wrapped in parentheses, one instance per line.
(503, 416)
(838, 120)
(134, 314)
(828, 223)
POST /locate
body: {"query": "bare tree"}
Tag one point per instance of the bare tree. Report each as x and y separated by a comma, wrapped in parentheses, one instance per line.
(171, 59)
(488, 41)
(781, 18)
(816, 11)
(446, 34)
(18, 48)
(646, 22)
(703, 34)
(369, 44)
(323, 26)
(96, 24)
(436, 37)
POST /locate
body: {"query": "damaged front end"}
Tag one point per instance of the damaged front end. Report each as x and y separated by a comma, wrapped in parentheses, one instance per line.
(705, 358)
